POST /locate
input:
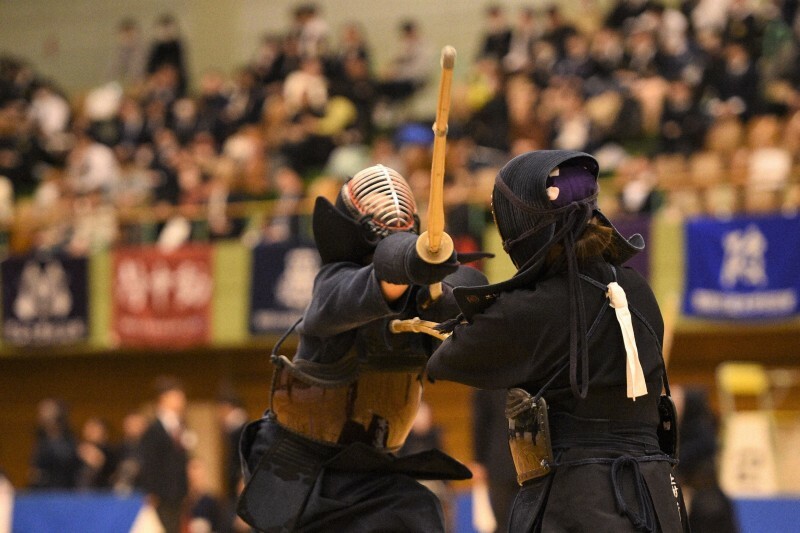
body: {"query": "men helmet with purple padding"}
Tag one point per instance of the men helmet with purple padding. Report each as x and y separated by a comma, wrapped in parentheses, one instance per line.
(548, 196)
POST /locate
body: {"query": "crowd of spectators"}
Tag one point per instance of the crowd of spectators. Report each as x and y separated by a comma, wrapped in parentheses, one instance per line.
(155, 455)
(648, 88)
(671, 97)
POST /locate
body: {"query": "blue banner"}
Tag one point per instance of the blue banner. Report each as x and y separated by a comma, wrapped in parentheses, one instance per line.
(45, 300)
(744, 268)
(283, 278)
(90, 512)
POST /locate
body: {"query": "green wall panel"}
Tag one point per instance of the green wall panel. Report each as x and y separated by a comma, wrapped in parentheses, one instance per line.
(231, 303)
(100, 299)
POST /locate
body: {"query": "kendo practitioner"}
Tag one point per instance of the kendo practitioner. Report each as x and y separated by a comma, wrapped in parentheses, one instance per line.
(322, 457)
(575, 338)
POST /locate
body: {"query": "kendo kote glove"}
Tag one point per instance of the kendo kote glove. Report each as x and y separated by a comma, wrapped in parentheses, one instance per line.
(396, 261)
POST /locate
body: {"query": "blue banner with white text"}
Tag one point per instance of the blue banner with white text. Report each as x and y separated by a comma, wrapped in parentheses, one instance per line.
(45, 300)
(283, 278)
(745, 268)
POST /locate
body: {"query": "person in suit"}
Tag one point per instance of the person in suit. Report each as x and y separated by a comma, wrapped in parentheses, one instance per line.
(232, 420)
(55, 462)
(163, 475)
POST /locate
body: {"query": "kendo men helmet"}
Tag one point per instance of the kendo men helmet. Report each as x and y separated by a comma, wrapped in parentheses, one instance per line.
(527, 217)
(382, 197)
(375, 202)
(548, 196)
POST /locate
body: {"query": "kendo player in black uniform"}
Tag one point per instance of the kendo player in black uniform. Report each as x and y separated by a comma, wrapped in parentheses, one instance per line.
(321, 458)
(575, 337)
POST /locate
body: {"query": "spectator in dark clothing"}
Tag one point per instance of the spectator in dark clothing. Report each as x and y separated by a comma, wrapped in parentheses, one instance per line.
(12, 86)
(410, 69)
(129, 457)
(576, 61)
(266, 63)
(641, 52)
(623, 11)
(492, 455)
(163, 475)
(184, 120)
(683, 124)
(352, 48)
(98, 456)
(204, 509)
(246, 100)
(305, 145)
(489, 125)
(734, 89)
(524, 35)
(628, 124)
(55, 460)
(18, 154)
(496, 40)
(709, 60)
(545, 56)
(743, 27)
(232, 418)
(558, 29)
(357, 85)
(168, 50)
(127, 63)
(131, 130)
(709, 509)
(212, 102)
(166, 189)
(289, 59)
(607, 52)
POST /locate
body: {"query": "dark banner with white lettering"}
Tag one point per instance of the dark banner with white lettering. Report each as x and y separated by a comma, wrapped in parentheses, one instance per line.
(45, 300)
(283, 278)
(743, 268)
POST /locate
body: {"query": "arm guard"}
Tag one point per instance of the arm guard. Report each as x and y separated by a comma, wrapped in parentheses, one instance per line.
(396, 261)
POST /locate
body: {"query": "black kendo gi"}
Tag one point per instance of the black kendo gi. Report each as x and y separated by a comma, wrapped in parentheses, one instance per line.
(612, 457)
(309, 471)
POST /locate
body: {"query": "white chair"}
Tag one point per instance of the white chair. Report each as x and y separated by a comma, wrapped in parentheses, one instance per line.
(747, 457)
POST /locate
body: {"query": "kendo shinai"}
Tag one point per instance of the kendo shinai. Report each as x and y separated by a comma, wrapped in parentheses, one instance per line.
(321, 458)
(575, 337)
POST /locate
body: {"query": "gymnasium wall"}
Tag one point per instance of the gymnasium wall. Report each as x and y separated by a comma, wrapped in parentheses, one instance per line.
(72, 42)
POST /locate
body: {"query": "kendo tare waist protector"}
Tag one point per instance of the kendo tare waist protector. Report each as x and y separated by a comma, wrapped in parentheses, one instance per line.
(347, 402)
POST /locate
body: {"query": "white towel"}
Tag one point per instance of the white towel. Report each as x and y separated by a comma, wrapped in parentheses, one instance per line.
(634, 374)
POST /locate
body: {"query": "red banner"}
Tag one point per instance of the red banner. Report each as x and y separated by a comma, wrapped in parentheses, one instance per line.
(162, 299)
